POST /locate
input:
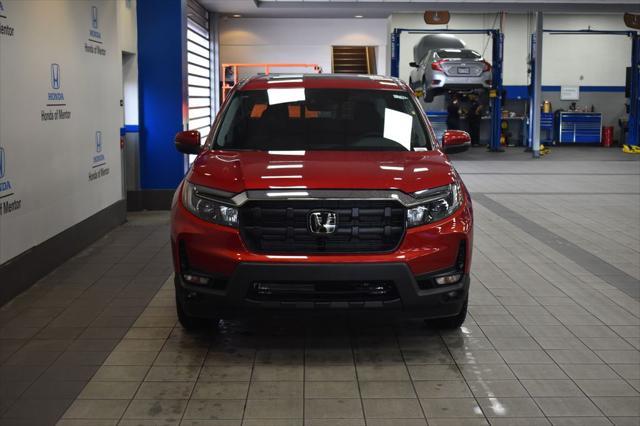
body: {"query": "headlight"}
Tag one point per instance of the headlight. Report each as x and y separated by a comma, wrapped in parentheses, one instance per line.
(207, 208)
(439, 203)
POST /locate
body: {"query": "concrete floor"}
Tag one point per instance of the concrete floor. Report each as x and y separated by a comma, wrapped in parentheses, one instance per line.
(553, 334)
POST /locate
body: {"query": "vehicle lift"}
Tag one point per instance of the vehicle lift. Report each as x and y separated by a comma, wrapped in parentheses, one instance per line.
(496, 92)
(633, 134)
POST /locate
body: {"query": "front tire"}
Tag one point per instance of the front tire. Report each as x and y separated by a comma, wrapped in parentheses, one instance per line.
(450, 323)
(428, 95)
(188, 322)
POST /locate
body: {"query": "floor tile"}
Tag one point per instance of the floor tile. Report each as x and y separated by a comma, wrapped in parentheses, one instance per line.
(212, 409)
(167, 409)
(96, 409)
(344, 389)
(109, 390)
(450, 407)
(160, 390)
(442, 389)
(220, 390)
(391, 408)
(509, 407)
(327, 408)
(275, 390)
(567, 406)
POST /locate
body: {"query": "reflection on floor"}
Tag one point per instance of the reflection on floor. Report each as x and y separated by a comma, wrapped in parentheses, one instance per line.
(553, 335)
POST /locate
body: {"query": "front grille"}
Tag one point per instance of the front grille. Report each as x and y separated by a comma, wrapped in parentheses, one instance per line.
(321, 291)
(283, 226)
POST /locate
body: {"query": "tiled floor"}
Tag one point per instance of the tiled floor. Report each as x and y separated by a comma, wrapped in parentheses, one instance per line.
(553, 335)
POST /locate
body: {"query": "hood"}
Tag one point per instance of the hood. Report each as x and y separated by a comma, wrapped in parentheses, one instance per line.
(237, 171)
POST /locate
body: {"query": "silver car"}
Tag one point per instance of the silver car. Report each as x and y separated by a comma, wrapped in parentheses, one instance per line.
(442, 70)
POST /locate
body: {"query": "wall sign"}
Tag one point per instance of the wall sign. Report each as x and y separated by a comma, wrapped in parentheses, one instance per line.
(93, 45)
(437, 17)
(569, 93)
(5, 29)
(55, 108)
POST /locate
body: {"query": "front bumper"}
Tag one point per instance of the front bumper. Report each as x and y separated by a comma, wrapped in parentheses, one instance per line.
(409, 296)
(219, 252)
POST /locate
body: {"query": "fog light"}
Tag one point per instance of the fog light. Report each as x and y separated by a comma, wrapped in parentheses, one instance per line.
(195, 279)
(262, 288)
(448, 279)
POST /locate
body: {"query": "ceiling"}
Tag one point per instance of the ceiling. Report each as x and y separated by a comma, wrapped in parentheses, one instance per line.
(383, 8)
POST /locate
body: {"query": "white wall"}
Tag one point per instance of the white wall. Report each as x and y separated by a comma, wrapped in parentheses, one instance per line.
(600, 60)
(587, 60)
(48, 164)
(266, 40)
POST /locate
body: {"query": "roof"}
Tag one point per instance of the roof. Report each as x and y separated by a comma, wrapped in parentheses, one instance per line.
(323, 81)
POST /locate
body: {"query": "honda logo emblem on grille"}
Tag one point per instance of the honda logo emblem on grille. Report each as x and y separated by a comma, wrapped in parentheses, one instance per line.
(323, 222)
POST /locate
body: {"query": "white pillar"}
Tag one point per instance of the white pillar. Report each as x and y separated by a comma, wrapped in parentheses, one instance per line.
(537, 89)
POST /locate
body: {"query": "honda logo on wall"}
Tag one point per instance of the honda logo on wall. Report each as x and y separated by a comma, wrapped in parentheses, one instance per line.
(2, 163)
(55, 76)
(323, 222)
(98, 141)
(94, 17)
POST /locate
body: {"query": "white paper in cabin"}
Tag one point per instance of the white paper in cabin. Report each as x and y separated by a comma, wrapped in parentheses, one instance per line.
(397, 127)
(283, 96)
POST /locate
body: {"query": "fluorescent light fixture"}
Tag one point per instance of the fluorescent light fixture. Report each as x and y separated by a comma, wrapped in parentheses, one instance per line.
(285, 166)
(291, 80)
(286, 76)
(236, 15)
(399, 168)
(421, 169)
(358, 16)
(282, 177)
(288, 194)
(287, 152)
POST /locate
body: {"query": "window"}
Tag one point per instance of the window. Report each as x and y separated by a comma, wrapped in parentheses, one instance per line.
(293, 119)
(199, 69)
(458, 54)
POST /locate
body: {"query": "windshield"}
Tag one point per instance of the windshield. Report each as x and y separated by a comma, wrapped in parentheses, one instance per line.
(457, 53)
(321, 119)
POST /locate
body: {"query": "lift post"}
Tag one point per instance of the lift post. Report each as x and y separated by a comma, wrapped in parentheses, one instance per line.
(496, 93)
(633, 135)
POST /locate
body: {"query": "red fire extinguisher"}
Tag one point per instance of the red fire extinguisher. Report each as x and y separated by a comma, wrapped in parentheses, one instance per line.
(607, 136)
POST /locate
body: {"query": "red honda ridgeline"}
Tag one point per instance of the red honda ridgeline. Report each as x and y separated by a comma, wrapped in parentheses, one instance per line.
(325, 193)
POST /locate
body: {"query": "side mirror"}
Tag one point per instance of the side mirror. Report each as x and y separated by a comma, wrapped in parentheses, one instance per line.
(188, 142)
(456, 140)
(414, 65)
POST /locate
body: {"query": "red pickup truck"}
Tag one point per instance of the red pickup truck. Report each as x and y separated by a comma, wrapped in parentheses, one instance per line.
(324, 193)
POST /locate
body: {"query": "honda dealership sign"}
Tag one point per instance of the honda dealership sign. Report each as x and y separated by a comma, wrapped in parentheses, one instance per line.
(60, 81)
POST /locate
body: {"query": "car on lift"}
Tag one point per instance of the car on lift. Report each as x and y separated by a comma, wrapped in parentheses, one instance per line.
(450, 69)
(323, 193)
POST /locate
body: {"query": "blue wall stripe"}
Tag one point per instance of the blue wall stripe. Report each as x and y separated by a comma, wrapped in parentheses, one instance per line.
(517, 92)
(160, 80)
(613, 89)
(522, 92)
